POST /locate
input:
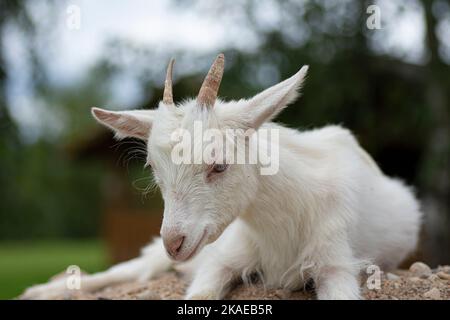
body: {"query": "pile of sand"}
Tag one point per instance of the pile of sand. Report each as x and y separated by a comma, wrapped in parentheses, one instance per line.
(419, 282)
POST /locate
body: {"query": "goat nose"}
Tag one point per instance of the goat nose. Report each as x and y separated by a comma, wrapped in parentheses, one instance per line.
(173, 245)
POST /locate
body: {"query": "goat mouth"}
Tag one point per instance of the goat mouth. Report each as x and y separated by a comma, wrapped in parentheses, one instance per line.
(196, 247)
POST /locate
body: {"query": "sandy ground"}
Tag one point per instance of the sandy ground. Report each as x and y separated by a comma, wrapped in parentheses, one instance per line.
(419, 282)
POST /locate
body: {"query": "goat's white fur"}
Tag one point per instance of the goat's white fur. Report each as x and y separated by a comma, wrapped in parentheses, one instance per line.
(326, 212)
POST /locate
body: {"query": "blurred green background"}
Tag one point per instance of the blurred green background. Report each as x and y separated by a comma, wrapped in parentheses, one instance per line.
(70, 194)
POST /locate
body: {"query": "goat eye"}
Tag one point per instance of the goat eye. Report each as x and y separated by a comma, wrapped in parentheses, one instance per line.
(220, 167)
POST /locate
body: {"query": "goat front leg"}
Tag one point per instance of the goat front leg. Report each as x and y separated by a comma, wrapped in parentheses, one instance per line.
(152, 262)
(337, 283)
(220, 265)
(337, 279)
(211, 281)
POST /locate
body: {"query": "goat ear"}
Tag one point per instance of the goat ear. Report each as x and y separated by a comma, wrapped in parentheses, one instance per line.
(133, 123)
(268, 104)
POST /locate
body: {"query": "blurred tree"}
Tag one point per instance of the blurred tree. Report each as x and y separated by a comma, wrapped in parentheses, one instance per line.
(435, 170)
(44, 193)
(10, 144)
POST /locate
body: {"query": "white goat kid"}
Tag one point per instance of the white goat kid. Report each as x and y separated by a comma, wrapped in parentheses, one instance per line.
(327, 211)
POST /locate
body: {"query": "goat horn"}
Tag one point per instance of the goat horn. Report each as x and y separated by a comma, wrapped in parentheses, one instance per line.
(168, 95)
(210, 87)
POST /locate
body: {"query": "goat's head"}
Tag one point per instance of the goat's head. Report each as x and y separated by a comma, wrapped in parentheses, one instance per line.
(204, 195)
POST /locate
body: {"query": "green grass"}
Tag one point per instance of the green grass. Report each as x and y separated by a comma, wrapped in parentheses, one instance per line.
(25, 263)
